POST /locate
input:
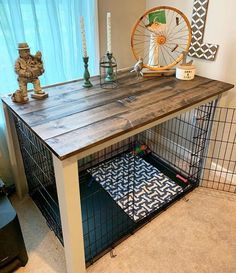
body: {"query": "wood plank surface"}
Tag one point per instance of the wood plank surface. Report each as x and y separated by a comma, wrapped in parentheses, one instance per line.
(74, 119)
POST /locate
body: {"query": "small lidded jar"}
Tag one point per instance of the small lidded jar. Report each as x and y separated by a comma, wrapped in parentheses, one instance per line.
(185, 72)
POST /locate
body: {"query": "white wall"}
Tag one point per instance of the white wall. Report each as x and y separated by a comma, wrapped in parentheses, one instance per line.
(124, 15)
(220, 29)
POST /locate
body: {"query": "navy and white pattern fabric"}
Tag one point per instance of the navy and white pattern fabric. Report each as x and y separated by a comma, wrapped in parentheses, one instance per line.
(136, 186)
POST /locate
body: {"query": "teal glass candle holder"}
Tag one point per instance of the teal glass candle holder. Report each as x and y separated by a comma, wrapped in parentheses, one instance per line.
(87, 82)
(108, 71)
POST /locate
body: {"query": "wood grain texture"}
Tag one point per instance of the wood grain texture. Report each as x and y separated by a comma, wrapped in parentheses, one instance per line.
(74, 119)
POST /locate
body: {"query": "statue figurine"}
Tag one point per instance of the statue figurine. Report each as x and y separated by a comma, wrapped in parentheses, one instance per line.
(28, 68)
(138, 68)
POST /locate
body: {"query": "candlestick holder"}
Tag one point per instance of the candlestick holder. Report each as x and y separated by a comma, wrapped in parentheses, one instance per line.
(87, 82)
(108, 71)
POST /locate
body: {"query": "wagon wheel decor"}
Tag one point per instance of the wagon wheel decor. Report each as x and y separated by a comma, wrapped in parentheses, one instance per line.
(160, 36)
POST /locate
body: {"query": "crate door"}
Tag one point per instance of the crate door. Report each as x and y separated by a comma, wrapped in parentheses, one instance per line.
(220, 157)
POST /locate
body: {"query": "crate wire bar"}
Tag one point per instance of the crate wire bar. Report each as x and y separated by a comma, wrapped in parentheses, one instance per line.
(105, 222)
(114, 182)
(40, 175)
(220, 160)
(181, 142)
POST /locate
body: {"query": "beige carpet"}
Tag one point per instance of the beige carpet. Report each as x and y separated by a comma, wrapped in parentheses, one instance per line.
(46, 254)
(194, 236)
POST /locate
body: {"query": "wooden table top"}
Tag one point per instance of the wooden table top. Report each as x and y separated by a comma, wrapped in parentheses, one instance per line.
(74, 119)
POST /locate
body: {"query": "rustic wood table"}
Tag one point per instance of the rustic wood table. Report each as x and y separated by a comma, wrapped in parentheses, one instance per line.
(75, 122)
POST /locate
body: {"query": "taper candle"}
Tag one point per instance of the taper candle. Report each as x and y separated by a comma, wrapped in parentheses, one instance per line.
(83, 37)
(109, 32)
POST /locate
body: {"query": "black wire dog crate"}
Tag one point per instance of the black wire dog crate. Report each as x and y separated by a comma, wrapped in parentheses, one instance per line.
(220, 157)
(125, 185)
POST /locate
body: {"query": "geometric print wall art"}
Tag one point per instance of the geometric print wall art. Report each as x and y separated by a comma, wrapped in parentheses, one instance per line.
(198, 48)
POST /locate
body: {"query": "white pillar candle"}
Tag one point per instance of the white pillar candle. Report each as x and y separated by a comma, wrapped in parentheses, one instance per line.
(153, 51)
(83, 37)
(109, 32)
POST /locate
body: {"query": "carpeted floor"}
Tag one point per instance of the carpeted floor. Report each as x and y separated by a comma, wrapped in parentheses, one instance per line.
(46, 254)
(194, 235)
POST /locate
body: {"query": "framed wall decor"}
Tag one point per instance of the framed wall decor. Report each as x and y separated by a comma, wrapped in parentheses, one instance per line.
(198, 48)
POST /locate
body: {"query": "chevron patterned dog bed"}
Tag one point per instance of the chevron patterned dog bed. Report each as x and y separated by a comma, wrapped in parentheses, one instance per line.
(136, 186)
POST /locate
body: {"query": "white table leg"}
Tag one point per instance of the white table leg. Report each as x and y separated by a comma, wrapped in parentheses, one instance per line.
(15, 156)
(67, 181)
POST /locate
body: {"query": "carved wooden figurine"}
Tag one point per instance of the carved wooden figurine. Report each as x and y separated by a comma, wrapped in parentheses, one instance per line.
(28, 68)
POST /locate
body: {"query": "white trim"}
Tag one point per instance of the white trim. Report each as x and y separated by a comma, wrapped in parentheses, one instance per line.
(222, 175)
(68, 190)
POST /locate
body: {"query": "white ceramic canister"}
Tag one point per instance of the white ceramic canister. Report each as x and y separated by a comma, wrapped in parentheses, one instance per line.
(185, 72)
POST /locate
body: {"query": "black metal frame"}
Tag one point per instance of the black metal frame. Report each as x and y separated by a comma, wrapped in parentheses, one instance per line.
(176, 147)
(182, 141)
(40, 175)
(219, 159)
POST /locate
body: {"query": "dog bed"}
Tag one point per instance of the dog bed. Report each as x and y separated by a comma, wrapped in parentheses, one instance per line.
(136, 186)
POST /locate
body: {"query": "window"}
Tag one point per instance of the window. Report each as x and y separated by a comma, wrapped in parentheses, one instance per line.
(53, 27)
